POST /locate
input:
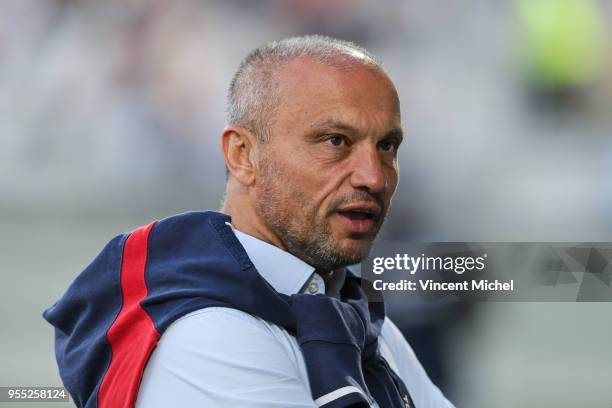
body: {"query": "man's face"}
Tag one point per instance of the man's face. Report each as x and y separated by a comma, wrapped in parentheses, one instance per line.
(326, 176)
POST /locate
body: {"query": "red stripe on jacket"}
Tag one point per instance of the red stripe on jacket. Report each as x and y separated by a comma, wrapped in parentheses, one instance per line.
(132, 336)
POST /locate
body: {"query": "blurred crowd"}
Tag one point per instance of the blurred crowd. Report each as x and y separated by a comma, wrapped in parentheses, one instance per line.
(113, 110)
(129, 96)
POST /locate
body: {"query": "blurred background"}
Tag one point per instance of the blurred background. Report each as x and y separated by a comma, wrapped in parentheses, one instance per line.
(110, 116)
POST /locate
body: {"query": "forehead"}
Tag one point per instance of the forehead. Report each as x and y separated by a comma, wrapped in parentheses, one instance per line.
(311, 92)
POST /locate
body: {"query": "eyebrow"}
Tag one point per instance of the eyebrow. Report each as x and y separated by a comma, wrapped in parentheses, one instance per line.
(396, 133)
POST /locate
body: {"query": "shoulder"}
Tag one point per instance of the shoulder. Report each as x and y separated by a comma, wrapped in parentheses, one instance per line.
(223, 333)
(402, 359)
(219, 356)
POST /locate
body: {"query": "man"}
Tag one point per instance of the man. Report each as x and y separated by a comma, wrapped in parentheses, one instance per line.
(254, 306)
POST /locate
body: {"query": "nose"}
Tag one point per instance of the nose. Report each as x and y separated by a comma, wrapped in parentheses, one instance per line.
(368, 172)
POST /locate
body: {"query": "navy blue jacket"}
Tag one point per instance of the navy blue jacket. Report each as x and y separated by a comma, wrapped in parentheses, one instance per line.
(111, 317)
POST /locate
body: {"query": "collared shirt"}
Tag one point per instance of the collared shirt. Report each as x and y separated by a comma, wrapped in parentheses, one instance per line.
(223, 357)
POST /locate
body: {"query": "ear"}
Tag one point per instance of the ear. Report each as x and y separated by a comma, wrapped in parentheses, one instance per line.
(239, 147)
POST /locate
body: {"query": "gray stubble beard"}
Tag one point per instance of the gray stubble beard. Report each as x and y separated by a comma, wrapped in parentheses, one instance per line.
(313, 246)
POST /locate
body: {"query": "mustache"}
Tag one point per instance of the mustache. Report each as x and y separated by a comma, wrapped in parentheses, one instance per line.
(359, 197)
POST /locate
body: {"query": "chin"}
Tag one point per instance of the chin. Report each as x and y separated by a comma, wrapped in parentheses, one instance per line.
(356, 249)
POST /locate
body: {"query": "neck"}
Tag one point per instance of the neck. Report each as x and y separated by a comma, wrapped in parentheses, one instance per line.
(245, 219)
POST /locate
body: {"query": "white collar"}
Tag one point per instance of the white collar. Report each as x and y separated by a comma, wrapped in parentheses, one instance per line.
(286, 273)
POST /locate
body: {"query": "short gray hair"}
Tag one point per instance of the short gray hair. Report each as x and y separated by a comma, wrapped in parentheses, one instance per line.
(253, 92)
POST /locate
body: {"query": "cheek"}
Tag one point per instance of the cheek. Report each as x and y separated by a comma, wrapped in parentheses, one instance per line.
(392, 181)
(329, 190)
(313, 181)
(305, 183)
(290, 188)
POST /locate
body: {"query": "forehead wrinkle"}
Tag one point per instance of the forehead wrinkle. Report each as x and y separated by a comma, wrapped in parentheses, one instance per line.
(334, 123)
(330, 86)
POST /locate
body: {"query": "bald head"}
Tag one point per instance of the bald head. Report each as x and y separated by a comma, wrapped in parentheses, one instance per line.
(255, 89)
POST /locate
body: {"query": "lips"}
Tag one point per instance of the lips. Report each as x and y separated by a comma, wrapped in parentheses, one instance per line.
(356, 215)
(359, 218)
(361, 211)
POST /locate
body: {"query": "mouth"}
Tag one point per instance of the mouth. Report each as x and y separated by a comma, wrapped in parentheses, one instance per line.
(359, 218)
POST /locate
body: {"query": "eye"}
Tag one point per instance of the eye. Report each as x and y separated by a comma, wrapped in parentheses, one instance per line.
(336, 140)
(389, 145)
